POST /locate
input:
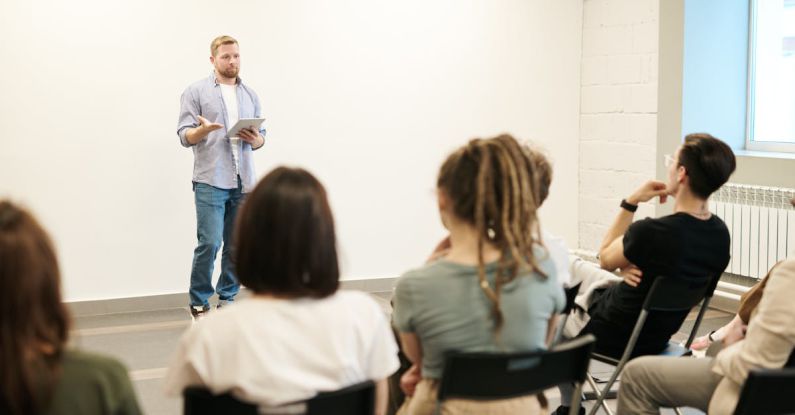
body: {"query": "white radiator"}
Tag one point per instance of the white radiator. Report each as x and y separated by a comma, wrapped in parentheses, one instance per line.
(761, 222)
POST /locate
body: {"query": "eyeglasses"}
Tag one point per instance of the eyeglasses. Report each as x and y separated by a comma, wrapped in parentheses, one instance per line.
(669, 160)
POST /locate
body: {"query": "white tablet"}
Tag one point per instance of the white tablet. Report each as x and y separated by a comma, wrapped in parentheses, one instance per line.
(252, 123)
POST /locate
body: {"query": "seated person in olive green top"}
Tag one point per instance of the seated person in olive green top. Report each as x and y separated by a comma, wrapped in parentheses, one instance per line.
(495, 290)
(37, 374)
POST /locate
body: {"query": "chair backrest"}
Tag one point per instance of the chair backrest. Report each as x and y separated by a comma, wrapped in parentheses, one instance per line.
(487, 376)
(571, 295)
(358, 399)
(669, 294)
(766, 392)
(200, 401)
(677, 294)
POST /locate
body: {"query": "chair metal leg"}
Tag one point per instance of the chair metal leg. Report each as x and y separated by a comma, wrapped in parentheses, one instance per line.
(633, 339)
(576, 400)
(593, 384)
(598, 393)
(697, 324)
(601, 401)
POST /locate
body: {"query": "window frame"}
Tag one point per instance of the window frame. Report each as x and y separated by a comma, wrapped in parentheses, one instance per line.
(750, 144)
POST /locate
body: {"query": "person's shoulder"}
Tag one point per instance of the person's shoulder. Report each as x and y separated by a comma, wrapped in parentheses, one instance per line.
(649, 225)
(198, 85)
(687, 220)
(787, 266)
(355, 297)
(81, 364)
(718, 228)
(652, 222)
(360, 306)
(713, 227)
(545, 256)
(717, 222)
(423, 274)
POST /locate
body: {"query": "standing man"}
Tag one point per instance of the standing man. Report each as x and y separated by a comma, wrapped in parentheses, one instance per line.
(223, 168)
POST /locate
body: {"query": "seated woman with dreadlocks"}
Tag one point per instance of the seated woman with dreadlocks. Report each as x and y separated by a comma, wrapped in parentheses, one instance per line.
(496, 288)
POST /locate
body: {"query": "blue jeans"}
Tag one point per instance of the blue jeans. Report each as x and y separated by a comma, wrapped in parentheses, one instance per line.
(215, 216)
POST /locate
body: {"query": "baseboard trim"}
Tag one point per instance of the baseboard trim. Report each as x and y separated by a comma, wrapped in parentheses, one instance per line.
(127, 305)
(178, 300)
(370, 285)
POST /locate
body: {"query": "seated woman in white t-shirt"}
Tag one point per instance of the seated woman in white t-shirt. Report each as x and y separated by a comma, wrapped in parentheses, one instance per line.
(298, 334)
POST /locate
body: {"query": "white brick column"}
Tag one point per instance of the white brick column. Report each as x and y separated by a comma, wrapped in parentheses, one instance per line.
(618, 109)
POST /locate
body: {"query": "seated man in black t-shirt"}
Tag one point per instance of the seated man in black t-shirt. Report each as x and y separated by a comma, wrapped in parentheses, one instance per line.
(691, 243)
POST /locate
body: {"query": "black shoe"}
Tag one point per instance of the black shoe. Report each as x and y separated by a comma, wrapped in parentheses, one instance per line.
(198, 312)
(224, 303)
(564, 410)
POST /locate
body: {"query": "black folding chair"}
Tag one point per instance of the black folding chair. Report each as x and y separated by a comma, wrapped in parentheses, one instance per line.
(493, 376)
(766, 392)
(666, 295)
(358, 399)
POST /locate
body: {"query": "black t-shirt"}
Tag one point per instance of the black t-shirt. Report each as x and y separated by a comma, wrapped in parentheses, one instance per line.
(677, 245)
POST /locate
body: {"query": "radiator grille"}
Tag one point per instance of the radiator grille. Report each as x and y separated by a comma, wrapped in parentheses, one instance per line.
(761, 222)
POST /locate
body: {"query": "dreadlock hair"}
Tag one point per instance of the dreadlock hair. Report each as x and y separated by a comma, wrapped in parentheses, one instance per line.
(490, 183)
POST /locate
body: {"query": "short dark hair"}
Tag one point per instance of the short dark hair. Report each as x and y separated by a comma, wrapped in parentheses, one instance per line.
(709, 163)
(285, 243)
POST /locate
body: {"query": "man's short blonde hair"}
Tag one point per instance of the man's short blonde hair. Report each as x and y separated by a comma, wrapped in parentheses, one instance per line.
(221, 40)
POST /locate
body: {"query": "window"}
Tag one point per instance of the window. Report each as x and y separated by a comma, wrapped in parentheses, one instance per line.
(771, 86)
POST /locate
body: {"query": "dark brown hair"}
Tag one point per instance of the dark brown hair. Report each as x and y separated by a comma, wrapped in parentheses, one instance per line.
(709, 163)
(490, 185)
(542, 173)
(33, 320)
(285, 243)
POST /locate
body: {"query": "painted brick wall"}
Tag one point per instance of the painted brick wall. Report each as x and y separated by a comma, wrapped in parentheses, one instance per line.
(618, 109)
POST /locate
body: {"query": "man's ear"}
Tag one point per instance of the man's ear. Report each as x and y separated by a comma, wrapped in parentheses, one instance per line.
(681, 174)
(442, 199)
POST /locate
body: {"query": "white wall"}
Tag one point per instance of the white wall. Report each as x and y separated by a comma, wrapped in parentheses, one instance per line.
(618, 123)
(368, 95)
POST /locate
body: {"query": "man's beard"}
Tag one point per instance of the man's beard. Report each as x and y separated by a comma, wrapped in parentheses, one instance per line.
(231, 72)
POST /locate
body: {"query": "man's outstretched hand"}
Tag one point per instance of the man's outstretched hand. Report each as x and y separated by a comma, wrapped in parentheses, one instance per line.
(208, 126)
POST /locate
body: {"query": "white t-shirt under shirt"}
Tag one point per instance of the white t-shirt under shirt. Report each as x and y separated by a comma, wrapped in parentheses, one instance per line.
(229, 94)
(275, 351)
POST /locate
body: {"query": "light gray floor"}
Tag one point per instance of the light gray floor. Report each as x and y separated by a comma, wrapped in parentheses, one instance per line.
(145, 341)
